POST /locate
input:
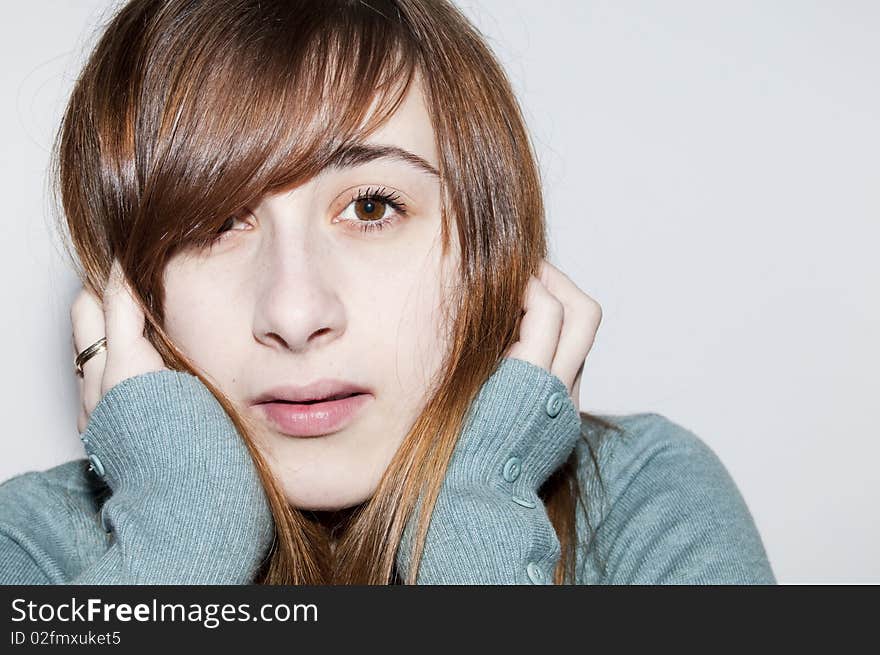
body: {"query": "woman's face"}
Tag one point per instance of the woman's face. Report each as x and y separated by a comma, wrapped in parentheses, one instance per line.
(296, 292)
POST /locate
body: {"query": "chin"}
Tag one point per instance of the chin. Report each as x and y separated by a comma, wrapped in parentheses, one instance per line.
(326, 474)
(327, 497)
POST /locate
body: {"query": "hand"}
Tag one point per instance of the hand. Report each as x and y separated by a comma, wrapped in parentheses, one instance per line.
(558, 328)
(128, 352)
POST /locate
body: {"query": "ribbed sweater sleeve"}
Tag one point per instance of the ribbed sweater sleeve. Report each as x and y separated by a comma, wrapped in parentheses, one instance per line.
(488, 525)
(187, 506)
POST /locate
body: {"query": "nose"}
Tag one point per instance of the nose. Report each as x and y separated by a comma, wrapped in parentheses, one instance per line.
(298, 306)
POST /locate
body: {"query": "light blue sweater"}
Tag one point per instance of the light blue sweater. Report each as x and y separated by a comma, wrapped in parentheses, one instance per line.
(173, 497)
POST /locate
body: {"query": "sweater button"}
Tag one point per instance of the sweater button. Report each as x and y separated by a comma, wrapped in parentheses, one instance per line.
(554, 404)
(512, 468)
(536, 575)
(523, 501)
(96, 465)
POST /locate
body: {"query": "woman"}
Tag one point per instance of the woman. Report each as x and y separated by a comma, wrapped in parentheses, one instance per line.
(318, 338)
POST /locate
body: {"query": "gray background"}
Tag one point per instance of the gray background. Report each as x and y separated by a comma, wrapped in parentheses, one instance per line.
(711, 174)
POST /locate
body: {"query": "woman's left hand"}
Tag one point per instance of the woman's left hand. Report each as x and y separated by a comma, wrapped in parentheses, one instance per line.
(558, 328)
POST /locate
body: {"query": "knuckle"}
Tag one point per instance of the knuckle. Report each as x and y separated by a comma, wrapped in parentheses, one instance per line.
(587, 315)
(78, 303)
(591, 309)
(83, 302)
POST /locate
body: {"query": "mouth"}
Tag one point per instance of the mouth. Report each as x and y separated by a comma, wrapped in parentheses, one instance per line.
(339, 396)
(314, 418)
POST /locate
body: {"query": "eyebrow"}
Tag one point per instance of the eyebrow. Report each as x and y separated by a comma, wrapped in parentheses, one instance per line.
(362, 153)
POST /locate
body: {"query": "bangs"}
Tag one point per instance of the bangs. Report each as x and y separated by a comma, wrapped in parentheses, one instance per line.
(248, 98)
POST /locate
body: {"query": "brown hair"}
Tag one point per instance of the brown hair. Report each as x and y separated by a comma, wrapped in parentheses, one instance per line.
(189, 110)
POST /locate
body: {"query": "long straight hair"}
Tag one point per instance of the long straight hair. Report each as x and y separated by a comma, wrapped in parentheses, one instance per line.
(189, 110)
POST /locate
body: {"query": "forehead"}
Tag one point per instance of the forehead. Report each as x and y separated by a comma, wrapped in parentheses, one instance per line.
(409, 127)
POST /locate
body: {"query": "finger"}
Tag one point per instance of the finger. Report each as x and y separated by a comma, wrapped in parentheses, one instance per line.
(540, 326)
(87, 319)
(582, 316)
(123, 318)
(130, 353)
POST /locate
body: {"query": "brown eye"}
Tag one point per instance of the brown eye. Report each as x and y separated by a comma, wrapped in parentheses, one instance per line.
(369, 209)
(227, 225)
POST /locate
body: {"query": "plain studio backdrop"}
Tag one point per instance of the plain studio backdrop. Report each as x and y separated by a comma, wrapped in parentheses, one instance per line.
(711, 177)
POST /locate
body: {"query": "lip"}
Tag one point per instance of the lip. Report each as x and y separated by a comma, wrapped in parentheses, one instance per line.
(316, 390)
(316, 419)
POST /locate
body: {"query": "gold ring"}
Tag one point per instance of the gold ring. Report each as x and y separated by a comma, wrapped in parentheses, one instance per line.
(88, 353)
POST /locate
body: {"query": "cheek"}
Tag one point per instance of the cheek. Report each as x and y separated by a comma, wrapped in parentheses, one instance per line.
(421, 342)
(197, 316)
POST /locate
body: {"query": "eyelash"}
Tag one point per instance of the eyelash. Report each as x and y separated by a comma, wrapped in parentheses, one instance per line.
(380, 195)
(383, 196)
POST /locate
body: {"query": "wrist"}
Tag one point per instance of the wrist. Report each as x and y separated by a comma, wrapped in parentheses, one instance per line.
(521, 427)
(163, 426)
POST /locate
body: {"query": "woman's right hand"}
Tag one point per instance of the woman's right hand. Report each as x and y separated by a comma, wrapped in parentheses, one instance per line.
(558, 328)
(118, 318)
